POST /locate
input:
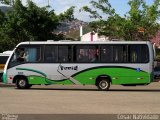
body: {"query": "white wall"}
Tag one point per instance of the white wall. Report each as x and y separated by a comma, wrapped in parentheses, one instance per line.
(87, 37)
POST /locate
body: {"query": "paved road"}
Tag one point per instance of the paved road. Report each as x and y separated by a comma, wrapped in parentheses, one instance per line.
(57, 99)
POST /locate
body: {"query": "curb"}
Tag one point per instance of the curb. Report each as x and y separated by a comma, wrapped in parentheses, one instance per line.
(6, 85)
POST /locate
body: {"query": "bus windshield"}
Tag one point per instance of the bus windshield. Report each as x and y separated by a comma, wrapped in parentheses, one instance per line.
(25, 54)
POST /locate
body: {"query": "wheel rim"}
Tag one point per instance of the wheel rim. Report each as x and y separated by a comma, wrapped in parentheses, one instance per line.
(22, 83)
(103, 84)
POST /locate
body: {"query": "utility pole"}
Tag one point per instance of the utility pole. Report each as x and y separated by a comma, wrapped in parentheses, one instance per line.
(11, 2)
(48, 4)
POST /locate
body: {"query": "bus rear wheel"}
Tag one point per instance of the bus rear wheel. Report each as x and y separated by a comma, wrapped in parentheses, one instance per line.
(22, 83)
(103, 84)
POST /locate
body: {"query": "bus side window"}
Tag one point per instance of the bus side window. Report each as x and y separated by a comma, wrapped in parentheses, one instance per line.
(133, 53)
(133, 56)
(51, 53)
(86, 54)
(106, 52)
(118, 53)
(32, 54)
(93, 56)
(145, 57)
(82, 55)
(63, 54)
(138, 54)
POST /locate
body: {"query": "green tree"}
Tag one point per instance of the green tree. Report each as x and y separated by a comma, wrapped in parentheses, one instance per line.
(30, 23)
(2, 18)
(143, 16)
(8, 2)
(68, 14)
(140, 23)
(107, 22)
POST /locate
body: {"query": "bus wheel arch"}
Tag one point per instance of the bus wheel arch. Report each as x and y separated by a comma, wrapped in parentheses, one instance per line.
(21, 82)
(103, 82)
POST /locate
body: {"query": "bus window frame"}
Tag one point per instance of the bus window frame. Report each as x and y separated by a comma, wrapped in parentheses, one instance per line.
(73, 53)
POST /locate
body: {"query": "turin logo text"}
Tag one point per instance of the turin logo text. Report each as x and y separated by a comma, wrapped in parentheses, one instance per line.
(68, 68)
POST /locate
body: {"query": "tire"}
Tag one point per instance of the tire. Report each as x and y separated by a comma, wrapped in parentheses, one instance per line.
(22, 83)
(29, 86)
(103, 84)
(155, 77)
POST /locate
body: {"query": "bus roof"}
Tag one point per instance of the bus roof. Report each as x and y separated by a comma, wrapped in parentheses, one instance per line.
(82, 42)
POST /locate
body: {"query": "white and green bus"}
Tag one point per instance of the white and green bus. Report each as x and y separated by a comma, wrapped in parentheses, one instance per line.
(82, 63)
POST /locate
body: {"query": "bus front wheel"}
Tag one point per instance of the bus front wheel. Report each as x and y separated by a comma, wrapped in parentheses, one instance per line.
(22, 83)
(103, 84)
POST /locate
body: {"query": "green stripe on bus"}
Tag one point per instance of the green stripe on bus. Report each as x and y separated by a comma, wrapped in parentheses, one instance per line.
(36, 71)
(118, 76)
(4, 78)
(42, 80)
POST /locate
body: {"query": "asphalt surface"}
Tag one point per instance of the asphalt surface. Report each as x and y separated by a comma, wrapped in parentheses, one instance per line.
(62, 99)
